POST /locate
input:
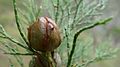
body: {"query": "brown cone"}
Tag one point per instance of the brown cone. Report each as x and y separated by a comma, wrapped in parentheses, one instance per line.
(44, 35)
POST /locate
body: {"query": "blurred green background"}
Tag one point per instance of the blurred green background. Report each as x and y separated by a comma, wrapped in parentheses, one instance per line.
(99, 33)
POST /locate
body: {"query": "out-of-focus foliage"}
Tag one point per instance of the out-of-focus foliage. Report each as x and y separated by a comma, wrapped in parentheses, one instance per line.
(72, 16)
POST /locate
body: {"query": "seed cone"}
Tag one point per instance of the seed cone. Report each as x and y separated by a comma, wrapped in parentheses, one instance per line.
(44, 35)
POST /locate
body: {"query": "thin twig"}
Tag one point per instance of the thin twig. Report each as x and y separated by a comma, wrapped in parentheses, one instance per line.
(68, 45)
(57, 11)
(14, 41)
(95, 59)
(6, 36)
(77, 34)
(76, 11)
(19, 54)
(61, 19)
(88, 62)
(88, 13)
(53, 8)
(18, 58)
(17, 22)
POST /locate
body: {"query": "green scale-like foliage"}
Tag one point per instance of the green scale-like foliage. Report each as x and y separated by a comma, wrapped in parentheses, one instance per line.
(73, 18)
